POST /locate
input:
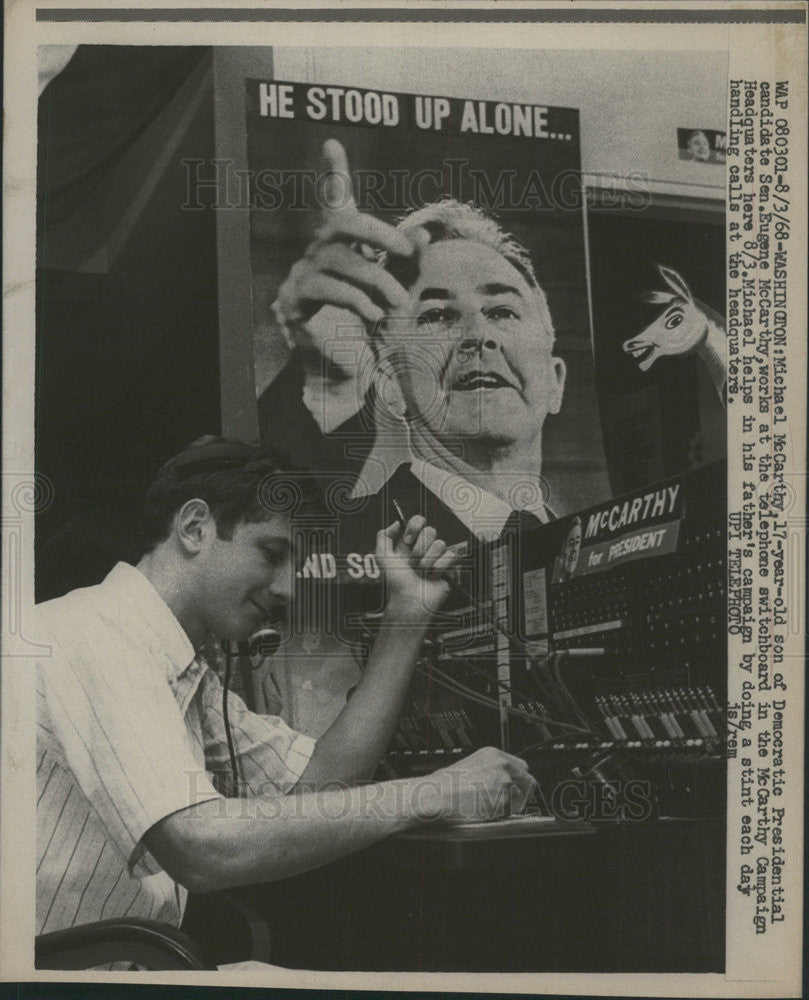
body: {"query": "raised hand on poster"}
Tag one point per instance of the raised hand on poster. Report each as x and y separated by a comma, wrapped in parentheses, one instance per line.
(340, 280)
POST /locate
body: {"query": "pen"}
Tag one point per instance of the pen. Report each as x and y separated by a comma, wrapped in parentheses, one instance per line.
(399, 513)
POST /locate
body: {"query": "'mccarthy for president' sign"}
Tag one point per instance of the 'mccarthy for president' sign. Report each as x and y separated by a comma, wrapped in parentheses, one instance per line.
(637, 526)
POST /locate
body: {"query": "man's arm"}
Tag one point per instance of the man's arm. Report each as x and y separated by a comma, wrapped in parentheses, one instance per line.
(352, 746)
(227, 842)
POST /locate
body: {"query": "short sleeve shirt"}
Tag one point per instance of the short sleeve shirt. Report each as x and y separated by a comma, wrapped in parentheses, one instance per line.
(130, 730)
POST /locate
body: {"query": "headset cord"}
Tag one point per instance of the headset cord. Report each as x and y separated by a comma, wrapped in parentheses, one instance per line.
(226, 717)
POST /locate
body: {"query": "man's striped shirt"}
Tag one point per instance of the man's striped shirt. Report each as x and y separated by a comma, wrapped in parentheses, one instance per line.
(130, 730)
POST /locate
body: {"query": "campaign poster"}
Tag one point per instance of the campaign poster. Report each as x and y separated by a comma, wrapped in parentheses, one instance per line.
(518, 163)
(702, 145)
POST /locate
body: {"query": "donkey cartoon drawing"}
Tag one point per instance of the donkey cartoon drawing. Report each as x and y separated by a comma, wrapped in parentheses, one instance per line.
(687, 326)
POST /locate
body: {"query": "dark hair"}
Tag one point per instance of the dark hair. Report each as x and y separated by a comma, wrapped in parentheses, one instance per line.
(240, 483)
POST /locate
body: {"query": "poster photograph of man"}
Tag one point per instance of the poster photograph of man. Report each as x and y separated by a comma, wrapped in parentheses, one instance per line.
(383, 560)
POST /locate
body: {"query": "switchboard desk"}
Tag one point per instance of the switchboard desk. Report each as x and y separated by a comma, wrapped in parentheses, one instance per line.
(609, 897)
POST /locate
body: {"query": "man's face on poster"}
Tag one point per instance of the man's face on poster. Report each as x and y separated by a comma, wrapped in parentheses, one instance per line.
(699, 147)
(474, 357)
(570, 553)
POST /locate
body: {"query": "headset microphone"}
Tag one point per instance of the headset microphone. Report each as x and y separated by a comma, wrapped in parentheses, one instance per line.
(263, 643)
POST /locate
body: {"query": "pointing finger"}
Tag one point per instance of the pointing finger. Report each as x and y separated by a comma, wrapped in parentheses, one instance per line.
(343, 219)
(337, 189)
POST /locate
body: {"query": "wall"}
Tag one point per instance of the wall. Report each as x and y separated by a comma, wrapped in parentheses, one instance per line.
(127, 352)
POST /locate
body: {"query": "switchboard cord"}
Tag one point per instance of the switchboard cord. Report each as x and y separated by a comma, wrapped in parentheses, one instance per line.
(451, 684)
(551, 683)
(535, 662)
(507, 687)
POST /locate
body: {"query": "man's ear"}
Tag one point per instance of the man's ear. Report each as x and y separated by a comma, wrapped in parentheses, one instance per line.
(558, 376)
(193, 525)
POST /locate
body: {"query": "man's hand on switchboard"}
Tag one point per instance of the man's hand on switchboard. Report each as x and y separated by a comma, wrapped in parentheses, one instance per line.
(487, 784)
